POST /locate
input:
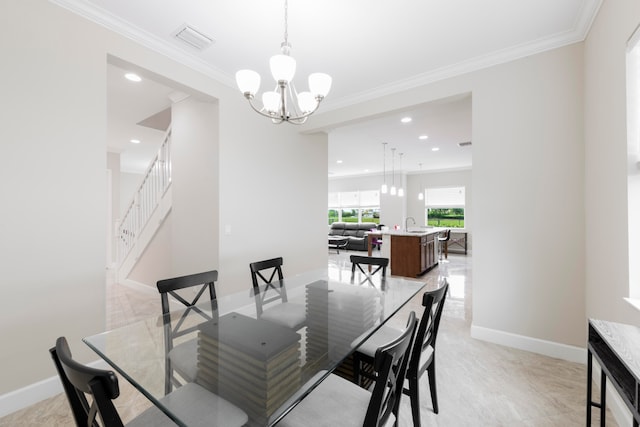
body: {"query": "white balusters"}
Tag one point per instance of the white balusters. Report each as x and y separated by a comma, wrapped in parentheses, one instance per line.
(146, 199)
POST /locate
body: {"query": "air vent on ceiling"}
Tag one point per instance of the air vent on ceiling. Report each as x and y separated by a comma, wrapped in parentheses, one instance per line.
(464, 144)
(194, 38)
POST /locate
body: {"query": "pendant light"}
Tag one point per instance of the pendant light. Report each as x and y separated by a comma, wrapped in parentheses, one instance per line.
(384, 188)
(421, 195)
(392, 191)
(401, 189)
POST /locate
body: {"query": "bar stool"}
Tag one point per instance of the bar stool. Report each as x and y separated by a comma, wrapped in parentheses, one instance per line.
(443, 240)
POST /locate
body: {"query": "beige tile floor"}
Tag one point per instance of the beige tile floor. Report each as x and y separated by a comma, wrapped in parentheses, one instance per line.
(479, 383)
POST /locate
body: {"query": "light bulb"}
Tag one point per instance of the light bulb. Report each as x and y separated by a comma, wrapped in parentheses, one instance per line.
(384, 189)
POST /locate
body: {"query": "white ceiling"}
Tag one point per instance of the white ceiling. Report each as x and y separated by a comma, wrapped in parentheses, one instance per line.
(370, 48)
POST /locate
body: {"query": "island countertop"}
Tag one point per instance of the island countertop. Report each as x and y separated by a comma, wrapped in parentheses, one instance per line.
(412, 232)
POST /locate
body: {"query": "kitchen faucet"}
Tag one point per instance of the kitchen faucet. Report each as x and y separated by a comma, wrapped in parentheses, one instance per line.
(406, 222)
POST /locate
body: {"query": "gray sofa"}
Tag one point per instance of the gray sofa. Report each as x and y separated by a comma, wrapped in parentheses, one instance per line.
(354, 232)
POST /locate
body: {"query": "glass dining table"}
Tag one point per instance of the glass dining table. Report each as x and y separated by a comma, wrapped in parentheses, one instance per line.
(260, 366)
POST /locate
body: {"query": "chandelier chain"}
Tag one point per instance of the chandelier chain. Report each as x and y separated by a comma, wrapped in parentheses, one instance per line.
(286, 22)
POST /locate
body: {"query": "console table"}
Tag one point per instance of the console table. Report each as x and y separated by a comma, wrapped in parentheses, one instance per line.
(616, 348)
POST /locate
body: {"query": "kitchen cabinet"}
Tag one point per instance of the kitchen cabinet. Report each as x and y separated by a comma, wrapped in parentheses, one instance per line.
(413, 254)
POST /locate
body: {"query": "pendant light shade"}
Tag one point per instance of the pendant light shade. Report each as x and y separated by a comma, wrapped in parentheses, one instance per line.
(401, 189)
(384, 189)
(421, 194)
(283, 68)
(271, 101)
(320, 84)
(248, 81)
(393, 189)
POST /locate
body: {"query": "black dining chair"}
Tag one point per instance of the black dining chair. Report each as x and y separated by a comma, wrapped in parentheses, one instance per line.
(380, 264)
(339, 402)
(181, 358)
(423, 354)
(191, 403)
(271, 296)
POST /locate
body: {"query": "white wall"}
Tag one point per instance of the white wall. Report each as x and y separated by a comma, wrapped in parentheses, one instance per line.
(272, 187)
(528, 160)
(392, 208)
(607, 278)
(454, 178)
(53, 192)
(194, 187)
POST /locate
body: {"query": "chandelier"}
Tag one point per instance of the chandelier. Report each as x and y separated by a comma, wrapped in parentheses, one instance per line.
(284, 103)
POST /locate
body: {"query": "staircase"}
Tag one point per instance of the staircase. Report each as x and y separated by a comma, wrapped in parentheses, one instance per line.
(147, 210)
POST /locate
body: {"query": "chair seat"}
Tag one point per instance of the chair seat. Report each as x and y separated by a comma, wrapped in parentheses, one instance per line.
(184, 359)
(335, 402)
(289, 314)
(196, 406)
(385, 334)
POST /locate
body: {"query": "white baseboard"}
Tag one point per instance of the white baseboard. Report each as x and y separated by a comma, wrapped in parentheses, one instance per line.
(534, 345)
(138, 286)
(29, 395)
(34, 393)
(560, 351)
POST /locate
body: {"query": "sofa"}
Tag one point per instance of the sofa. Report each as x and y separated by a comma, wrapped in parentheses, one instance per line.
(354, 232)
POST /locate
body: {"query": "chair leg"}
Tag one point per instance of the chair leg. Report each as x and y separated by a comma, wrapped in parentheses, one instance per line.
(356, 368)
(414, 396)
(431, 371)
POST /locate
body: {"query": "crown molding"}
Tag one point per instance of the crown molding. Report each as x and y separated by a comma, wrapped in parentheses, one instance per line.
(577, 34)
(126, 29)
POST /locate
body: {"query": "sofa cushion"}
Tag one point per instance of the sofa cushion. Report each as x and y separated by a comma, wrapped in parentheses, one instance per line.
(337, 229)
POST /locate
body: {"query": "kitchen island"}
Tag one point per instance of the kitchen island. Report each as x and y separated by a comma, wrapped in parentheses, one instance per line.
(411, 253)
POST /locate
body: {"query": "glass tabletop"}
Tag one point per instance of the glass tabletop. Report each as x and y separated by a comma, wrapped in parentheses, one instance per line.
(259, 365)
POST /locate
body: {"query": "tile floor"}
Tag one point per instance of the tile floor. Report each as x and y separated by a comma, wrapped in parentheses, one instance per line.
(479, 383)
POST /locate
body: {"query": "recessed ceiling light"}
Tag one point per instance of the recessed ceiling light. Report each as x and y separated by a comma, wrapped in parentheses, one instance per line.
(134, 141)
(339, 161)
(423, 137)
(435, 149)
(405, 119)
(133, 77)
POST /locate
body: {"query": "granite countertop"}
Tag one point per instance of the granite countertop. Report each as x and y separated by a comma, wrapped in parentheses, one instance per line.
(414, 231)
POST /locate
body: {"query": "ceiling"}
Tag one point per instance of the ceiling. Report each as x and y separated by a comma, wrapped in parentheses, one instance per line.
(370, 48)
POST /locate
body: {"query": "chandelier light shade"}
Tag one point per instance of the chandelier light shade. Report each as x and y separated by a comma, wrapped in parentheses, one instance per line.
(393, 189)
(284, 103)
(384, 189)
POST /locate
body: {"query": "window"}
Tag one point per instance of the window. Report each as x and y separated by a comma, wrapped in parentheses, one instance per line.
(445, 207)
(354, 206)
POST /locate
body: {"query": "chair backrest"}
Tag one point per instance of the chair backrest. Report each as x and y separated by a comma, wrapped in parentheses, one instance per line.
(202, 284)
(169, 287)
(79, 380)
(390, 366)
(358, 261)
(445, 236)
(433, 302)
(263, 275)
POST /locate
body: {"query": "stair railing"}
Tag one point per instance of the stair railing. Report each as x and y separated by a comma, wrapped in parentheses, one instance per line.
(146, 199)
